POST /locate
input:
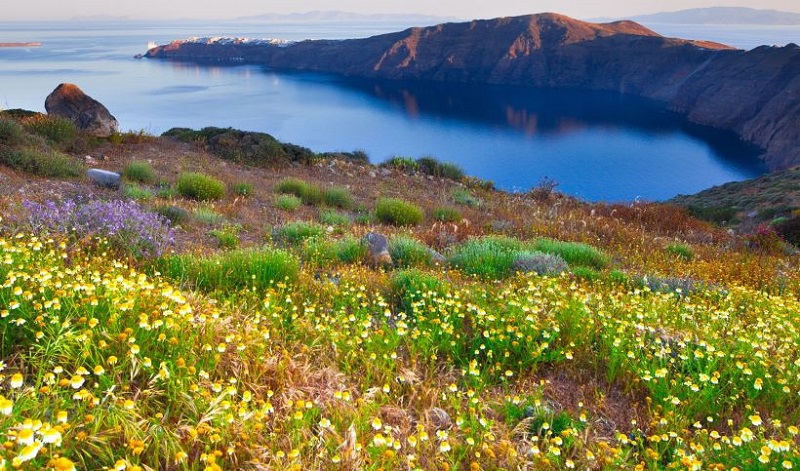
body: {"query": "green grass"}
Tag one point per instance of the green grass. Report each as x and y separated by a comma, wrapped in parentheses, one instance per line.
(206, 215)
(409, 252)
(324, 252)
(60, 132)
(233, 271)
(432, 166)
(199, 186)
(139, 171)
(295, 232)
(334, 218)
(175, 214)
(243, 189)
(137, 192)
(573, 253)
(288, 202)
(398, 212)
(338, 197)
(308, 193)
(227, 236)
(464, 197)
(410, 285)
(489, 257)
(447, 214)
(11, 132)
(681, 251)
(43, 163)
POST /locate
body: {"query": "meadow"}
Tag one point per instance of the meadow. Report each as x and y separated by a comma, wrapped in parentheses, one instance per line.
(233, 319)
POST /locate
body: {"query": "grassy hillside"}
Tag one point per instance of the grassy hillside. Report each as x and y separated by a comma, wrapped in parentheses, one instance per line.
(255, 331)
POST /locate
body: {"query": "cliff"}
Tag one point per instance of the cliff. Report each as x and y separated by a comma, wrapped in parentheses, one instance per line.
(755, 94)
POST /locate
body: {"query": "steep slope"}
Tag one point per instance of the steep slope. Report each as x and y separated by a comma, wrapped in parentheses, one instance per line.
(753, 93)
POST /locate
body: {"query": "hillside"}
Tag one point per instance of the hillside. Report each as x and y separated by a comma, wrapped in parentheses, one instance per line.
(723, 16)
(223, 309)
(752, 93)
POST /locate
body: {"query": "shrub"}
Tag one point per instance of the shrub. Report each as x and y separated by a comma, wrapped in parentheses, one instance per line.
(465, 197)
(398, 212)
(539, 263)
(200, 187)
(59, 131)
(233, 271)
(227, 236)
(446, 214)
(297, 231)
(11, 132)
(405, 164)
(338, 197)
(409, 285)
(137, 192)
(573, 253)
(715, 214)
(334, 218)
(44, 163)
(308, 193)
(789, 230)
(325, 252)
(288, 202)
(174, 214)
(544, 189)
(139, 171)
(206, 215)
(129, 228)
(431, 166)
(243, 189)
(407, 251)
(487, 257)
(680, 250)
(586, 274)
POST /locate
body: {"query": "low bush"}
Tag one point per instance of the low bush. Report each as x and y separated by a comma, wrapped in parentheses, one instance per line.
(44, 163)
(465, 197)
(206, 215)
(432, 166)
(139, 171)
(297, 231)
(232, 271)
(574, 253)
(408, 252)
(60, 132)
(288, 202)
(446, 214)
(338, 197)
(11, 132)
(243, 189)
(410, 285)
(405, 164)
(488, 257)
(398, 212)
(789, 230)
(137, 192)
(539, 263)
(682, 251)
(175, 214)
(308, 193)
(227, 236)
(325, 252)
(200, 187)
(129, 228)
(334, 218)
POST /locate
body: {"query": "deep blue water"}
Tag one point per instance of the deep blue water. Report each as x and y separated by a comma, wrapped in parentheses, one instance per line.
(597, 146)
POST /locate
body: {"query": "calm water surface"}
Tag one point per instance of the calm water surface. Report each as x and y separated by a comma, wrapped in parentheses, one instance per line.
(597, 146)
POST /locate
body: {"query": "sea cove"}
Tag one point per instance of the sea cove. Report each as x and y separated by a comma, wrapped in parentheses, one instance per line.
(597, 146)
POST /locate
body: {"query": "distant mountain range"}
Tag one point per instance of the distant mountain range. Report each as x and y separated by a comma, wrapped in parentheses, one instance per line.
(722, 16)
(331, 15)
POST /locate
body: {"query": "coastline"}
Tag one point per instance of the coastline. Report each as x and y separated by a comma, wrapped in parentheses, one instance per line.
(21, 44)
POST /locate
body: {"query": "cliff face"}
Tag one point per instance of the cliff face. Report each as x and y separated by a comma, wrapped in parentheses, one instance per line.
(755, 94)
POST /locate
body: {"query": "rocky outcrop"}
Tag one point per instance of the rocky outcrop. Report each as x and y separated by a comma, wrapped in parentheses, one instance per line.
(68, 101)
(753, 93)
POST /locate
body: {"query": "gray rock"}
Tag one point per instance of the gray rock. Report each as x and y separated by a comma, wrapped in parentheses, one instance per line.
(436, 257)
(385, 172)
(104, 178)
(378, 249)
(373, 175)
(69, 102)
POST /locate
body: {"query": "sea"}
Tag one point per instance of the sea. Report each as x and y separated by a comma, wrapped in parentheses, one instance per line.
(596, 146)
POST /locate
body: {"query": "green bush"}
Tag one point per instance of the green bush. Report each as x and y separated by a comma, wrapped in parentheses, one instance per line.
(432, 166)
(297, 231)
(139, 171)
(406, 164)
(11, 132)
(243, 189)
(465, 197)
(209, 217)
(407, 252)
(574, 253)
(308, 193)
(338, 197)
(334, 218)
(200, 187)
(490, 257)
(137, 192)
(232, 271)
(59, 131)
(227, 236)
(288, 202)
(44, 163)
(324, 252)
(398, 212)
(539, 263)
(409, 285)
(446, 214)
(681, 251)
(175, 214)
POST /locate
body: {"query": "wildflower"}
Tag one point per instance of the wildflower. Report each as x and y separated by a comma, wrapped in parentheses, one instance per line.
(28, 453)
(755, 419)
(444, 446)
(77, 382)
(377, 424)
(16, 381)
(6, 406)
(63, 464)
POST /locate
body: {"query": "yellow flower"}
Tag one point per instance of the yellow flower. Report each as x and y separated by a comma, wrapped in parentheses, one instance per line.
(755, 419)
(28, 453)
(120, 465)
(16, 381)
(377, 424)
(63, 464)
(444, 446)
(25, 436)
(6, 406)
(76, 382)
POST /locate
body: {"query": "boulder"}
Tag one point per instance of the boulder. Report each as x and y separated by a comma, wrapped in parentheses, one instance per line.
(104, 178)
(69, 102)
(378, 249)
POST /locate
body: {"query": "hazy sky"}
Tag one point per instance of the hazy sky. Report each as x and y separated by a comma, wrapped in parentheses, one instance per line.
(225, 9)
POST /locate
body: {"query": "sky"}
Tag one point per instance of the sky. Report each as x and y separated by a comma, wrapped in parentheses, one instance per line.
(460, 9)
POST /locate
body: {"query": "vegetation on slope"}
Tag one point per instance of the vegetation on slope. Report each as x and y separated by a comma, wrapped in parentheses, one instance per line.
(540, 333)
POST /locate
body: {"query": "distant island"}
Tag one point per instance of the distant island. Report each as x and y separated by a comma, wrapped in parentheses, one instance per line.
(723, 16)
(334, 15)
(755, 94)
(28, 44)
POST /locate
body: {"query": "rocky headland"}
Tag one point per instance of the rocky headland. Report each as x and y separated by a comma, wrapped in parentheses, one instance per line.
(755, 94)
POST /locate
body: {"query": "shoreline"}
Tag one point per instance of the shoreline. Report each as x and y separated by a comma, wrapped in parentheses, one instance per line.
(21, 44)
